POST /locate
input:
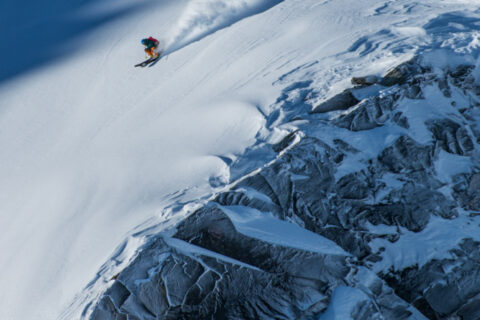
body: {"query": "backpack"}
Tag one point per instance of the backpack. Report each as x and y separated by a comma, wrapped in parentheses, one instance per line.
(154, 40)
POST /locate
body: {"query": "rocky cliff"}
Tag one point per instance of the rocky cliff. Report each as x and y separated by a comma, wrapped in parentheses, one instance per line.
(369, 210)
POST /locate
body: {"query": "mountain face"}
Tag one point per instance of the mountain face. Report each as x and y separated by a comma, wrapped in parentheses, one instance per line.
(284, 159)
(369, 211)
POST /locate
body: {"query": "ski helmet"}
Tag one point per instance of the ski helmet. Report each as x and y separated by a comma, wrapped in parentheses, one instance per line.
(144, 42)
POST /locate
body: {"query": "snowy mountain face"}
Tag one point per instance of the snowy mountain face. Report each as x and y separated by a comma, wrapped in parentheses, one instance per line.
(312, 236)
(287, 159)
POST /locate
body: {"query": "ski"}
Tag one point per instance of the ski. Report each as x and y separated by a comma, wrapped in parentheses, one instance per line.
(146, 62)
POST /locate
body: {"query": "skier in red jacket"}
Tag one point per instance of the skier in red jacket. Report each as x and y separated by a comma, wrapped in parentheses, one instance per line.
(151, 45)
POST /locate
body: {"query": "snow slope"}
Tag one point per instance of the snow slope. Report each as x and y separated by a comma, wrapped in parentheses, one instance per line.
(93, 150)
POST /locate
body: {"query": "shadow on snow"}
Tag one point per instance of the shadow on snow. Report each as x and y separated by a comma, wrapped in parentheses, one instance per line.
(35, 33)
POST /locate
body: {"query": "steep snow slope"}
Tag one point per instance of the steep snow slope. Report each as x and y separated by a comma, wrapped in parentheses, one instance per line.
(91, 147)
(94, 150)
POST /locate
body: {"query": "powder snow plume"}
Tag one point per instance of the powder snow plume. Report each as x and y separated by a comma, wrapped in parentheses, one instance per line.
(204, 17)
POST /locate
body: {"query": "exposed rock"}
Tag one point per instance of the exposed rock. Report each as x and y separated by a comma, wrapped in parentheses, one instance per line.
(341, 101)
(285, 142)
(473, 193)
(406, 155)
(466, 190)
(439, 293)
(401, 120)
(365, 81)
(414, 91)
(400, 74)
(368, 114)
(451, 137)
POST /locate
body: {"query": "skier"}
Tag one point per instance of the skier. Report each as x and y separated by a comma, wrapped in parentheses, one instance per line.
(151, 45)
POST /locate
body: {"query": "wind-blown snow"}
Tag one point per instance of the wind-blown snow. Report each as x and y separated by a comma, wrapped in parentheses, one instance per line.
(92, 148)
(203, 17)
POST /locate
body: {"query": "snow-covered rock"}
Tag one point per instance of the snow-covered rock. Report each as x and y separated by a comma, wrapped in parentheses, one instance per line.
(375, 214)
